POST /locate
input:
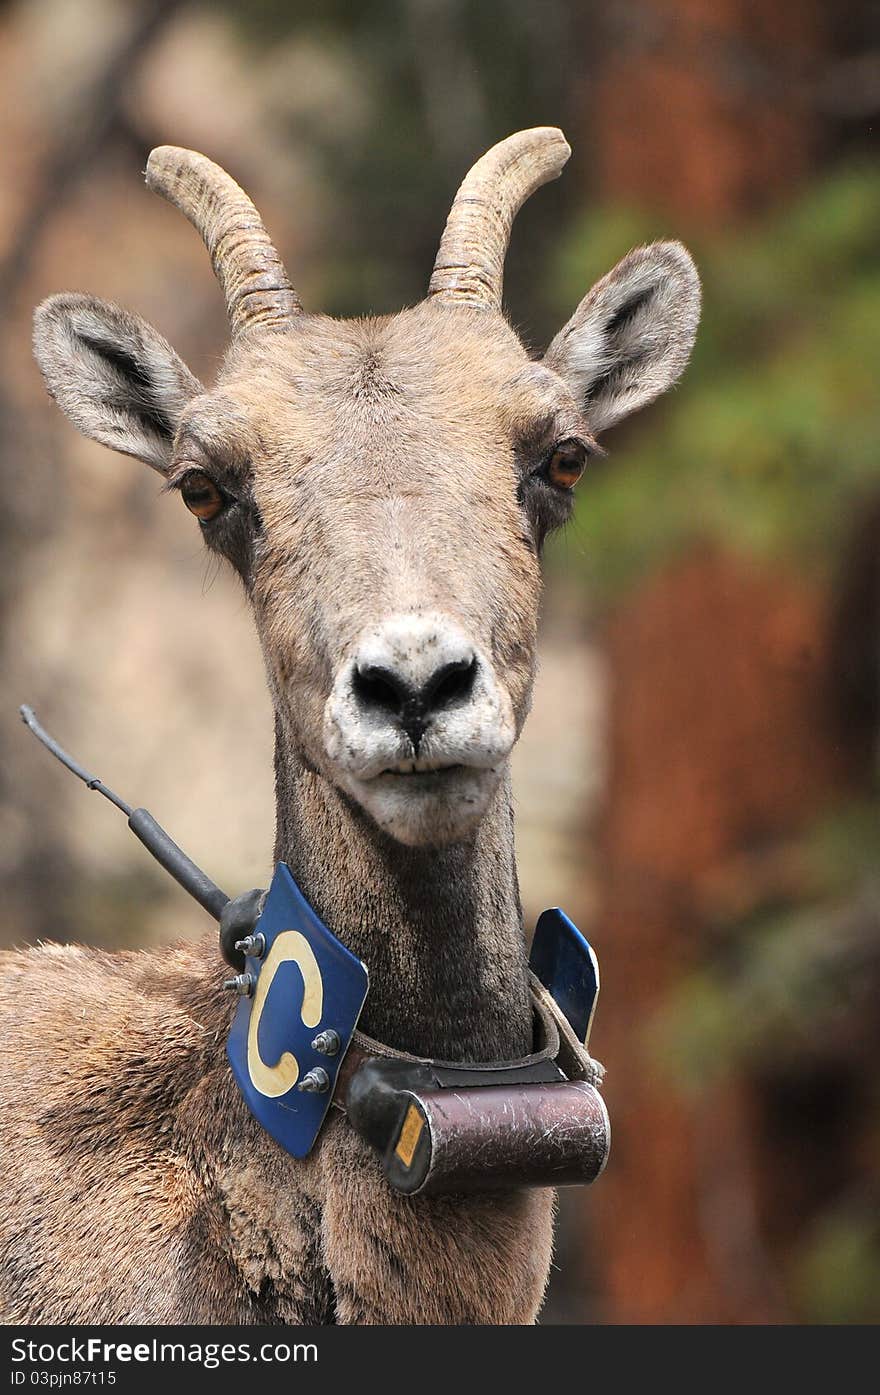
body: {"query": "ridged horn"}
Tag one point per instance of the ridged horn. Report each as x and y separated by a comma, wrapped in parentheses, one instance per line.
(470, 262)
(258, 294)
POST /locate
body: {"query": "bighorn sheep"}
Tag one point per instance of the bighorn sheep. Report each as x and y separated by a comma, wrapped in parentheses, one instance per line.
(383, 487)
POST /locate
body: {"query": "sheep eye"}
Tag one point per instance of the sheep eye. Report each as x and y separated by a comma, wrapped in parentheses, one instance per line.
(566, 465)
(201, 496)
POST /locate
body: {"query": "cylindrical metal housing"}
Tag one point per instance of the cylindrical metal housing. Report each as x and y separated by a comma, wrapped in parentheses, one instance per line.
(484, 1138)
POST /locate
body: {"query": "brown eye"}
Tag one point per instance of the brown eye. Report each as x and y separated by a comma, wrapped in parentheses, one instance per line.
(201, 496)
(566, 464)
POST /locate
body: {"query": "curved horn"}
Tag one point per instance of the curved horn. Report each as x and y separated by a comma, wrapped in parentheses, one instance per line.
(254, 282)
(470, 263)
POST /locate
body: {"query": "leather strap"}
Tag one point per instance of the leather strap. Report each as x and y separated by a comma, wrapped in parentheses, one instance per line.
(554, 1040)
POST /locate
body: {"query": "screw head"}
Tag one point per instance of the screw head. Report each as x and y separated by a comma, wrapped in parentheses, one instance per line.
(315, 1081)
(327, 1043)
(243, 984)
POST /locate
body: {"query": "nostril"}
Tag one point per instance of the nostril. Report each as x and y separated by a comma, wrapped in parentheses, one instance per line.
(393, 696)
(380, 688)
(452, 683)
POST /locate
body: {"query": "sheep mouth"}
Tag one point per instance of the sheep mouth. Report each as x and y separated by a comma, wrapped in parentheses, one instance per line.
(421, 803)
(405, 770)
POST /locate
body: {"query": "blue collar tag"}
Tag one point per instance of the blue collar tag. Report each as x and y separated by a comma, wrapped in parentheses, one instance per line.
(565, 963)
(306, 983)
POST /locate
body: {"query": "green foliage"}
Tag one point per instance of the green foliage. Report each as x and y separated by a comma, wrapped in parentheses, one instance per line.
(836, 1272)
(779, 996)
(779, 982)
(842, 845)
(772, 435)
(787, 983)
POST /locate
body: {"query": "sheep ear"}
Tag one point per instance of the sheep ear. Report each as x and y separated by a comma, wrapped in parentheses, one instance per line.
(631, 336)
(113, 375)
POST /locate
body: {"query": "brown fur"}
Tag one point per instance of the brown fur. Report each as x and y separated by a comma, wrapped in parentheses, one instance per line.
(374, 468)
(141, 1190)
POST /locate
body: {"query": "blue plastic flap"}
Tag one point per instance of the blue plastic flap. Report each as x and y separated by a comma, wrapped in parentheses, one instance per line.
(564, 962)
(306, 982)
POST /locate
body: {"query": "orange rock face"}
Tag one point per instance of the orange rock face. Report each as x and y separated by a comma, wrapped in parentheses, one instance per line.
(720, 752)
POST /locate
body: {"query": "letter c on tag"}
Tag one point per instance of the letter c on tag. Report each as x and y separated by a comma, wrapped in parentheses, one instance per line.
(289, 947)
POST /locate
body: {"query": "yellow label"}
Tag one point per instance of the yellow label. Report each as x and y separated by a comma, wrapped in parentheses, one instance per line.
(409, 1135)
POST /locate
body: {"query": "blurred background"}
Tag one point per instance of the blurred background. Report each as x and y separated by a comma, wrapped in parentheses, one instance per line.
(709, 808)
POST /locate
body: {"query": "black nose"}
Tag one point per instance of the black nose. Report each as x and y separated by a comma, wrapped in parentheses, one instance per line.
(388, 691)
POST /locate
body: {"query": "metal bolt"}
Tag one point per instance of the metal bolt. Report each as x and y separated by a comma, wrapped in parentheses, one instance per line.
(254, 945)
(315, 1081)
(327, 1043)
(242, 984)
